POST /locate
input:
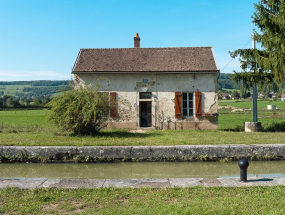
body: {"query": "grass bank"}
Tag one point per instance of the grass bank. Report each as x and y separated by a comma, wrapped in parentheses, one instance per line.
(197, 200)
(125, 138)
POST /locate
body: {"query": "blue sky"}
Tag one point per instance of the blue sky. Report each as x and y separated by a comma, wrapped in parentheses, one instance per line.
(40, 39)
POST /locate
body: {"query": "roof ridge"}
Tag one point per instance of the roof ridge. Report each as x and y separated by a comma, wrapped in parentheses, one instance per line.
(149, 48)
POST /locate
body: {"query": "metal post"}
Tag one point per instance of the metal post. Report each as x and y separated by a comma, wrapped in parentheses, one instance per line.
(243, 165)
(254, 94)
(254, 99)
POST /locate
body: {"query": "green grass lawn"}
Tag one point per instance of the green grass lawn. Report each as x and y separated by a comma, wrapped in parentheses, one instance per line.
(29, 128)
(197, 200)
(124, 138)
(230, 120)
(22, 118)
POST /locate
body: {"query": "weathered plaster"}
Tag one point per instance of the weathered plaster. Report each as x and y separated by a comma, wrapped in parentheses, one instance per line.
(163, 88)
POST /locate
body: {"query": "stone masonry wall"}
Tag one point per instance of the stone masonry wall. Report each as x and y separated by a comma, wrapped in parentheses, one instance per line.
(150, 153)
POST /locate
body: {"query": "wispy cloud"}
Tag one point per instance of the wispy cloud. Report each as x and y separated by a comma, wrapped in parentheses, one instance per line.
(33, 75)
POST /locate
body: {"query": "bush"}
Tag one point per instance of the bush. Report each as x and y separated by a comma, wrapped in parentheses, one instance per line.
(81, 110)
(274, 127)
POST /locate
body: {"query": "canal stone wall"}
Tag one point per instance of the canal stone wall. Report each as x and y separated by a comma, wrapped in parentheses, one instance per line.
(140, 153)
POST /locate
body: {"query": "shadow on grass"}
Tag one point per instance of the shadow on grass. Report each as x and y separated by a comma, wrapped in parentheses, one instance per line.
(119, 134)
(126, 134)
(238, 128)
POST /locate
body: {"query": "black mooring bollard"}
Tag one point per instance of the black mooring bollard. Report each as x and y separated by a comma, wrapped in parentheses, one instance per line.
(243, 164)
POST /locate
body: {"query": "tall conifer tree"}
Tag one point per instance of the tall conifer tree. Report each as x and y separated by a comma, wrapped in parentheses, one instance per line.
(268, 63)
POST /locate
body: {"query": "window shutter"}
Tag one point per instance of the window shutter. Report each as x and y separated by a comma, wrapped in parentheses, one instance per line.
(178, 103)
(198, 104)
(113, 104)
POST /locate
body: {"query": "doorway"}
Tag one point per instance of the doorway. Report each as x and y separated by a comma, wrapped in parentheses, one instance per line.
(145, 114)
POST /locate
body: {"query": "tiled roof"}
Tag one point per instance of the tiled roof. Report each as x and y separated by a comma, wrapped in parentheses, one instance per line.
(145, 60)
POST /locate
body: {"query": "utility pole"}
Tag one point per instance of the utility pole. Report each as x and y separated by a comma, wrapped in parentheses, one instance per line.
(254, 94)
(255, 125)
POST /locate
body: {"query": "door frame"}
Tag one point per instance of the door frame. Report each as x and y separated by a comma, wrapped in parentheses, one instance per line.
(148, 113)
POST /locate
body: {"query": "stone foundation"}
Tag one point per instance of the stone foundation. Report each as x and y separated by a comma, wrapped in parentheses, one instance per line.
(209, 123)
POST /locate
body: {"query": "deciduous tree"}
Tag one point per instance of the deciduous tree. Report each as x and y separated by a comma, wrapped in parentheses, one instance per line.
(81, 110)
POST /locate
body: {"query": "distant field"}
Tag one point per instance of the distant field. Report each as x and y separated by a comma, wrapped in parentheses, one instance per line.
(230, 120)
(34, 88)
(11, 90)
(248, 103)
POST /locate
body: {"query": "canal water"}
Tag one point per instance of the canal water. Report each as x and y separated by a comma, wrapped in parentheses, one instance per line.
(140, 170)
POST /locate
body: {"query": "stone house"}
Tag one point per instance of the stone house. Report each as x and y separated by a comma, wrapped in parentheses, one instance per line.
(163, 88)
(226, 96)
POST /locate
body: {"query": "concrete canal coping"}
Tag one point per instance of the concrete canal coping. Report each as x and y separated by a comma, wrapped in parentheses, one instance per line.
(33, 183)
(140, 153)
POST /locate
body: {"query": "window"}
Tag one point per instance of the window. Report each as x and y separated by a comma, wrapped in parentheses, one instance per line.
(145, 95)
(110, 98)
(104, 95)
(187, 105)
(184, 104)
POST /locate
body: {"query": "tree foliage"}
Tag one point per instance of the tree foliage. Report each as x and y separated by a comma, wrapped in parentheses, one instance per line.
(268, 63)
(81, 110)
(225, 81)
(250, 78)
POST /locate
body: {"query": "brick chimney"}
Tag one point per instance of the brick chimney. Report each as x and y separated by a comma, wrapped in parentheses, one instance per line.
(137, 41)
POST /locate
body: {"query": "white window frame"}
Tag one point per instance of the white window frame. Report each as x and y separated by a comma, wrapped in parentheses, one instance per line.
(187, 107)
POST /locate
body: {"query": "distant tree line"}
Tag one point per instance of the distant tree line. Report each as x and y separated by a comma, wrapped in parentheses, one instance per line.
(36, 83)
(11, 102)
(225, 81)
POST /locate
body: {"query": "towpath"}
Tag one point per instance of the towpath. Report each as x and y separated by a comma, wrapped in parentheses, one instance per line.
(138, 183)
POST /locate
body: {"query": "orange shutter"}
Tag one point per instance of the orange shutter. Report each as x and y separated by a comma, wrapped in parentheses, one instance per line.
(198, 104)
(113, 104)
(178, 109)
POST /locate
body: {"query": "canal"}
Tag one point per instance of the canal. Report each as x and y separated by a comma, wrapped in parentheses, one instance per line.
(139, 170)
